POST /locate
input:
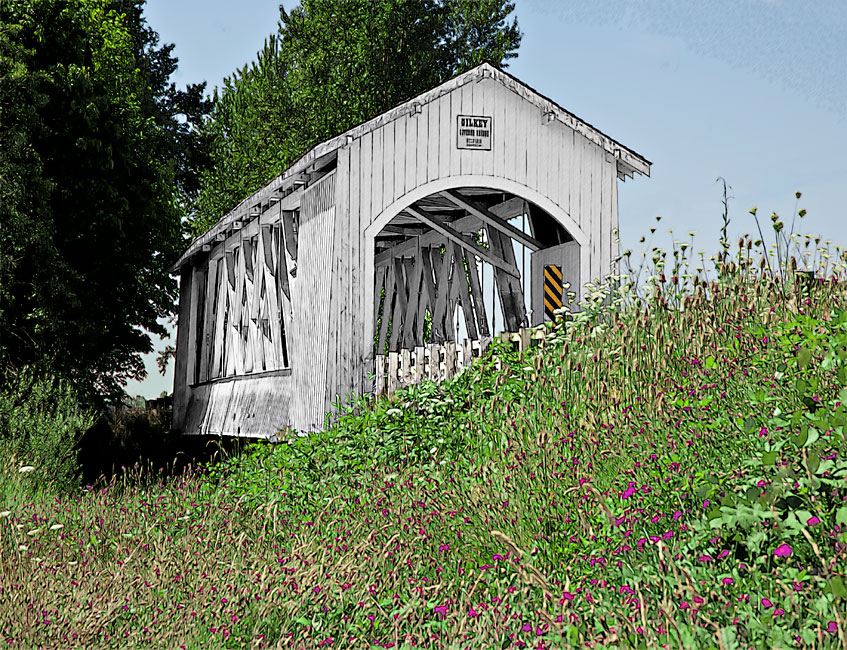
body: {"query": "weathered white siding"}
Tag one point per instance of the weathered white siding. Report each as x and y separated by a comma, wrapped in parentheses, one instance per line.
(309, 338)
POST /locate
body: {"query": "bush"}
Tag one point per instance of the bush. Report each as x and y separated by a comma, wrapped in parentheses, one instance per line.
(41, 422)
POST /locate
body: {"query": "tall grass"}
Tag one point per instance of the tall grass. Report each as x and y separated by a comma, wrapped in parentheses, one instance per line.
(667, 471)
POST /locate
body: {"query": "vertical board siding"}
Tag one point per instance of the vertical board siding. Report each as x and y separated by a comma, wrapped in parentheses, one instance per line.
(433, 141)
(519, 129)
(532, 126)
(400, 158)
(464, 96)
(484, 103)
(421, 146)
(377, 170)
(390, 165)
(183, 332)
(311, 301)
(445, 135)
(354, 383)
(334, 278)
(500, 126)
(410, 159)
(612, 206)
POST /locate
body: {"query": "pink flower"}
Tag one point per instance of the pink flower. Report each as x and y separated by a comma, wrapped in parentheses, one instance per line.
(779, 612)
(783, 550)
(813, 521)
(766, 603)
(727, 581)
(831, 627)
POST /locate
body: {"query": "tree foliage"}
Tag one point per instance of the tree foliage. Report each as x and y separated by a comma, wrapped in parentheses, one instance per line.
(98, 156)
(331, 65)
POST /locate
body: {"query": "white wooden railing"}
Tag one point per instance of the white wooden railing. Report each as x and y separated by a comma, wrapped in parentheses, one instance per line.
(435, 361)
(440, 361)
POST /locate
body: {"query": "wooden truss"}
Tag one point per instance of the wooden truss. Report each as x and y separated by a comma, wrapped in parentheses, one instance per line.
(422, 279)
(244, 297)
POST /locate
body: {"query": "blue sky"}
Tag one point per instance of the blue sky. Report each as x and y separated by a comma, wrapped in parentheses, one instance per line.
(754, 91)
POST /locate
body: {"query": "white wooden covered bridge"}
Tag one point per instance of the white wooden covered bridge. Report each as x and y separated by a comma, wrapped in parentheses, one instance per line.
(410, 228)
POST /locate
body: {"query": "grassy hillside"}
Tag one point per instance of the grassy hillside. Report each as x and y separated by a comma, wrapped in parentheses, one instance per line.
(668, 470)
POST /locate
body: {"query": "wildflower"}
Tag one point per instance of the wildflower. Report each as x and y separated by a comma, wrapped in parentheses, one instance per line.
(5, 513)
(766, 603)
(779, 612)
(57, 526)
(727, 581)
(444, 548)
(783, 550)
(26, 469)
(813, 521)
(441, 610)
(831, 627)
(34, 532)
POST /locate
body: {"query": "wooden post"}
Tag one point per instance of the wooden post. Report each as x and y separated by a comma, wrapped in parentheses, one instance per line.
(387, 307)
(379, 374)
(401, 291)
(393, 383)
(511, 294)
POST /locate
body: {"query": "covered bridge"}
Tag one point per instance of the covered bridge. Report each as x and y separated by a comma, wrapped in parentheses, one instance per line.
(473, 203)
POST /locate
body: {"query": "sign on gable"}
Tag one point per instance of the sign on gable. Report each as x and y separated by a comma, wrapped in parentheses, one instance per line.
(474, 132)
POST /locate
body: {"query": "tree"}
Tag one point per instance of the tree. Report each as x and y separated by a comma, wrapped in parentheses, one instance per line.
(98, 155)
(331, 65)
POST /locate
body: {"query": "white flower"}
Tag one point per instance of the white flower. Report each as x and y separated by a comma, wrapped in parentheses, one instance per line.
(5, 513)
(22, 547)
(34, 532)
(26, 469)
(393, 412)
(57, 526)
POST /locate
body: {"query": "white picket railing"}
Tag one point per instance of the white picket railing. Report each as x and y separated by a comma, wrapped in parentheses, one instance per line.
(440, 361)
(436, 362)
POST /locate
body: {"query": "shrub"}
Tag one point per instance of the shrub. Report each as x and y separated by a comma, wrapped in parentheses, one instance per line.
(41, 422)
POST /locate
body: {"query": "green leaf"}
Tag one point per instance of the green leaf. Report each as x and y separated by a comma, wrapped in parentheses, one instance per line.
(710, 362)
(812, 438)
(804, 357)
(769, 458)
(836, 586)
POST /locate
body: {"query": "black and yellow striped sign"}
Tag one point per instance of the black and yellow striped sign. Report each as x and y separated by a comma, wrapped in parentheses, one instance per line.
(552, 290)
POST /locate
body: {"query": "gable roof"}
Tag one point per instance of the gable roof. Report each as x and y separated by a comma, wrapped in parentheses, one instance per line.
(628, 161)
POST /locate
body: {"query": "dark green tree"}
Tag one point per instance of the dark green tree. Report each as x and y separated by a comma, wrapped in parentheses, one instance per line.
(331, 65)
(98, 156)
